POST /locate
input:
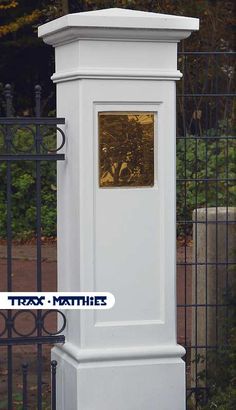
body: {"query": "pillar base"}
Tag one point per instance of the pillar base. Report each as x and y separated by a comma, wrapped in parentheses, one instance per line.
(151, 383)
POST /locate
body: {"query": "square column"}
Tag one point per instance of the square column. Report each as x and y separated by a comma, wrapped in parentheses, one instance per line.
(115, 74)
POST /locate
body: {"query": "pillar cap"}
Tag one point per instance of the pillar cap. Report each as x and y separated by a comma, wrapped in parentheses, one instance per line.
(117, 23)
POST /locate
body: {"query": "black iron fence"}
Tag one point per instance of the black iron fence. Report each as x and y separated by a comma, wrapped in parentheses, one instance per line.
(34, 329)
(206, 226)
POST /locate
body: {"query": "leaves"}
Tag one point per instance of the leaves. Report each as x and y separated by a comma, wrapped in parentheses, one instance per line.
(200, 163)
(23, 176)
(19, 23)
(8, 5)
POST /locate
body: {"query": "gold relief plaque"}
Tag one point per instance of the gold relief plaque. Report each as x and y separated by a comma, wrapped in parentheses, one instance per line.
(126, 149)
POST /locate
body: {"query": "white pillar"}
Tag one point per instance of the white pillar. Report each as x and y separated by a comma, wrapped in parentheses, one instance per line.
(118, 239)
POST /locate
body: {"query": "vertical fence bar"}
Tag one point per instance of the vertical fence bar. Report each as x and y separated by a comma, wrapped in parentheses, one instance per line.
(53, 383)
(38, 243)
(196, 274)
(185, 210)
(206, 260)
(227, 221)
(25, 385)
(206, 235)
(227, 240)
(216, 201)
(8, 99)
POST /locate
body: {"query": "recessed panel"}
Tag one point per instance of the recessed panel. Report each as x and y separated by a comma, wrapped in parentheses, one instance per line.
(126, 149)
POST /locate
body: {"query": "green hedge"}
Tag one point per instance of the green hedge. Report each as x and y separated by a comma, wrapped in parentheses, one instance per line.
(201, 158)
(23, 183)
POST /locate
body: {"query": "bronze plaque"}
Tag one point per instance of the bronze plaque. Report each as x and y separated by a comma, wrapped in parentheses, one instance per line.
(126, 149)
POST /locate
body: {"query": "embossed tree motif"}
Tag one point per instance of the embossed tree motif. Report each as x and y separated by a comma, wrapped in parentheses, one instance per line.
(126, 149)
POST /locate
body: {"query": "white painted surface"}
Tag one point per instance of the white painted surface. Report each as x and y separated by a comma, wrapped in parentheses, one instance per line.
(118, 23)
(124, 385)
(89, 58)
(120, 240)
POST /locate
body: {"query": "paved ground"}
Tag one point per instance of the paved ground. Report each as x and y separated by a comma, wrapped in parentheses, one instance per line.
(24, 279)
(28, 252)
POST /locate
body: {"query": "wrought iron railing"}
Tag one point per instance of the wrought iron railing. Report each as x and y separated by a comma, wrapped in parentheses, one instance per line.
(39, 145)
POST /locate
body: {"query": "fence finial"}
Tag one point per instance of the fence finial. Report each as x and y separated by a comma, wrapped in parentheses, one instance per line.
(38, 90)
(8, 98)
(53, 365)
